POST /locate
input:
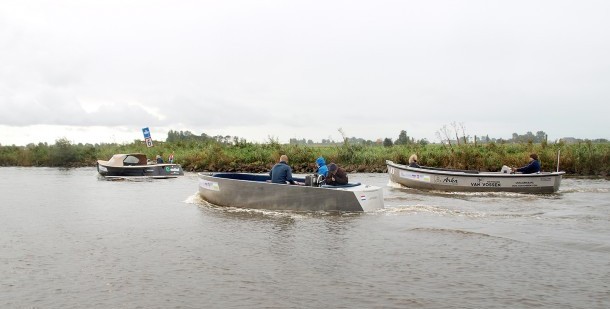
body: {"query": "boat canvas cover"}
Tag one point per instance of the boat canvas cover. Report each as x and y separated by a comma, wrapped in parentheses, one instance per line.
(132, 159)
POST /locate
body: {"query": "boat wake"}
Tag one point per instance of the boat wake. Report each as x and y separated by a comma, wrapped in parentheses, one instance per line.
(443, 211)
(414, 209)
(585, 190)
(450, 231)
(195, 199)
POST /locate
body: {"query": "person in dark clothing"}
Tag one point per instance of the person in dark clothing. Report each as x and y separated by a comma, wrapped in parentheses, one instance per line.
(413, 161)
(336, 175)
(532, 167)
(281, 172)
(159, 159)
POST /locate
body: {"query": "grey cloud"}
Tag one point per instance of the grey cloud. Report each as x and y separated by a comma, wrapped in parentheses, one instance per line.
(221, 64)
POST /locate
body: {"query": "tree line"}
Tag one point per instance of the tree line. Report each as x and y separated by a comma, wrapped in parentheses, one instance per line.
(214, 154)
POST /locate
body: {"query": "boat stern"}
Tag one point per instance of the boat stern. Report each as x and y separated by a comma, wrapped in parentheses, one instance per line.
(370, 198)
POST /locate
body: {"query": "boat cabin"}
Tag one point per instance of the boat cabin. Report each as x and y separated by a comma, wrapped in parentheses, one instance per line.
(131, 159)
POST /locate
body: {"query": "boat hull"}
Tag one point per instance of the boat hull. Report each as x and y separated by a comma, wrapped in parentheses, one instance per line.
(253, 191)
(472, 181)
(152, 170)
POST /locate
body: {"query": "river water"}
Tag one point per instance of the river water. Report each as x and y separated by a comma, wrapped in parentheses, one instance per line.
(69, 239)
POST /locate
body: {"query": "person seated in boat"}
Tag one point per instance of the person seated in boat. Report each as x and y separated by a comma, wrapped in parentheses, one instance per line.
(159, 159)
(413, 161)
(506, 170)
(322, 168)
(336, 176)
(532, 167)
(281, 172)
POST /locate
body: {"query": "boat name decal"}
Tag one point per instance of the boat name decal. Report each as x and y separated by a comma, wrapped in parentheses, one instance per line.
(450, 181)
(414, 176)
(525, 184)
(446, 180)
(487, 183)
(209, 185)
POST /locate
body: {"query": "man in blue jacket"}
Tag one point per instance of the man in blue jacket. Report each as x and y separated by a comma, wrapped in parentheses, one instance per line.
(281, 172)
(532, 167)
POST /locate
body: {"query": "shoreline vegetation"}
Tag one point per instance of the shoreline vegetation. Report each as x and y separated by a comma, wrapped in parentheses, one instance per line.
(578, 159)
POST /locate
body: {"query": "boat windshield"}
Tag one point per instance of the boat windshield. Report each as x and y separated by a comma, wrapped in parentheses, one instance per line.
(131, 160)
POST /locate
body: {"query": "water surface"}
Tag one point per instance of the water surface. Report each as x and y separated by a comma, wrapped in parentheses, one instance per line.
(69, 239)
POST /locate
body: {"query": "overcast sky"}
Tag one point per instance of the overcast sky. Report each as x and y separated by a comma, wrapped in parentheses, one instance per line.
(99, 71)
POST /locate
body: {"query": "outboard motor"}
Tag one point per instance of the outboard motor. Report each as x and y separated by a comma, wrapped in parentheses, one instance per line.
(320, 180)
(313, 180)
(309, 180)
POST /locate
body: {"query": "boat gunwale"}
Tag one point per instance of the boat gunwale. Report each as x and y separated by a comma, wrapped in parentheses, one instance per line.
(349, 187)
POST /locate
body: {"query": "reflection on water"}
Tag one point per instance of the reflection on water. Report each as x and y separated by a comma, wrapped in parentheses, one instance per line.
(76, 241)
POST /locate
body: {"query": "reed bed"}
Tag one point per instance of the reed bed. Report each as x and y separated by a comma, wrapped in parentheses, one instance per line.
(584, 158)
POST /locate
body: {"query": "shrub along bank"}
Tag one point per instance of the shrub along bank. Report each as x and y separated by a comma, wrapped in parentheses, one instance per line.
(585, 158)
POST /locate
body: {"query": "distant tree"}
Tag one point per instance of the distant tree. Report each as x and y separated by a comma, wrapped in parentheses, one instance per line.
(454, 125)
(403, 139)
(343, 135)
(175, 136)
(296, 141)
(444, 133)
(463, 128)
(62, 153)
(529, 137)
(387, 142)
(423, 142)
